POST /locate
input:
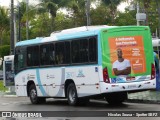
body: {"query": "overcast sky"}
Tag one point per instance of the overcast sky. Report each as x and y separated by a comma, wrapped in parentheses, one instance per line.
(7, 2)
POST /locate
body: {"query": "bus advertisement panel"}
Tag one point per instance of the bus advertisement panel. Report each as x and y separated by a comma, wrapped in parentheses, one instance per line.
(125, 55)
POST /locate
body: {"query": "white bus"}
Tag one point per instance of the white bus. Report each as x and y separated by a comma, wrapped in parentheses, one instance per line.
(156, 46)
(77, 64)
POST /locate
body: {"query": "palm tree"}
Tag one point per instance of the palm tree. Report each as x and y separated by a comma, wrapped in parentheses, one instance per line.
(146, 7)
(77, 7)
(22, 15)
(52, 6)
(112, 4)
(4, 22)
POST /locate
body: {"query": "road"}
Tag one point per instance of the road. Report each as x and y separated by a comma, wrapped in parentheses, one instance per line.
(23, 104)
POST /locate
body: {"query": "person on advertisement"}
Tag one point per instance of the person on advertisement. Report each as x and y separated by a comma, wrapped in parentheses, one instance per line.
(121, 67)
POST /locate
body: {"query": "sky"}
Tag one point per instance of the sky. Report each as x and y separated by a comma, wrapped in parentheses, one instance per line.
(7, 2)
(121, 7)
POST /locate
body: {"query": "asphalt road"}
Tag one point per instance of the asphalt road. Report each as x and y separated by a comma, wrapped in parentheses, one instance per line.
(62, 107)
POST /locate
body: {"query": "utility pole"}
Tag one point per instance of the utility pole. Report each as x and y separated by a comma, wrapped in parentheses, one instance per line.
(88, 3)
(27, 36)
(138, 12)
(19, 23)
(12, 28)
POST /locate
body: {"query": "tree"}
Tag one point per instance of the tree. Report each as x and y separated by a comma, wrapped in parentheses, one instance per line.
(39, 26)
(77, 11)
(112, 4)
(98, 18)
(22, 15)
(52, 6)
(63, 21)
(150, 8)
(4, 23)
(126, 18)
(4, 50)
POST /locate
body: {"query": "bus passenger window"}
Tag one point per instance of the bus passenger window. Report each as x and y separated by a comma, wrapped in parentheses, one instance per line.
(93, 49)
(67, 53)
(59, 53)
(19, 59)
(44, 57)
(33, 56)
(52, 54)
(83, 51)
(75, 51)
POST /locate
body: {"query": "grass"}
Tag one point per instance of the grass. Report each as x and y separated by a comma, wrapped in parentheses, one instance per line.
(2, 88)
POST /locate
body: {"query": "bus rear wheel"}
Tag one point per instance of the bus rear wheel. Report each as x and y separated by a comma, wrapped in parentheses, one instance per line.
(72, 94)
(116, 98)
(33, 96)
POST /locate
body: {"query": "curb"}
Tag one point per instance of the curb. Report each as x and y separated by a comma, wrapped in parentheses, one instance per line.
(143, 101)
(9, 95)
(4, 95)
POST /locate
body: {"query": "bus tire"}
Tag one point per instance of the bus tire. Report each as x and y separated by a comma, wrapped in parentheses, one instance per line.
(33, 96)
(116, 98)
(72, 94)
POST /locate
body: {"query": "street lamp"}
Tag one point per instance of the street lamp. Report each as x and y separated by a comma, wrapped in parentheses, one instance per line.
(27, 1)
(19, 21)
(87, 3)
(139, 16)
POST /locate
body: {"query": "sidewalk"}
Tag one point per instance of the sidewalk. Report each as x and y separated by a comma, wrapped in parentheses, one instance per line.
(7, 94)
(149, 96)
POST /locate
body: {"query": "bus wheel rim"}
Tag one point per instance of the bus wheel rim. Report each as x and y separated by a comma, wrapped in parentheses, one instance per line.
(72, 95)
(33, 94)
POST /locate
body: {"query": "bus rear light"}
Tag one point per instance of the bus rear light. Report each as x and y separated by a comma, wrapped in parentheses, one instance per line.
(105, 76)
(153, 72)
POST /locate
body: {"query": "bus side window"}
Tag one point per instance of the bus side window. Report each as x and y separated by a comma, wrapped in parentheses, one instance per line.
(83, 51)
(59, 53)
(33, 56)
(93, 49)
(44, 54)
(19, 59)
(67, 59)
(75, 51)
(52, 54)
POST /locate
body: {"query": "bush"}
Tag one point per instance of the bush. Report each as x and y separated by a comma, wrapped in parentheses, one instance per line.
(2, 88)
(4, 50)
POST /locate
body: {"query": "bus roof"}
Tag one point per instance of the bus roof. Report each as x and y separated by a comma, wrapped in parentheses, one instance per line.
(72, 33)
(79, 29)
(66, 34)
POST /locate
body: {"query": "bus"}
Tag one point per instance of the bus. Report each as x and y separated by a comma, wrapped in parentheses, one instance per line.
(85, 62)
(156, 46)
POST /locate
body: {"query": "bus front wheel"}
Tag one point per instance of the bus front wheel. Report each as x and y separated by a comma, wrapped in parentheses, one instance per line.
(72, 94)
(33, 96)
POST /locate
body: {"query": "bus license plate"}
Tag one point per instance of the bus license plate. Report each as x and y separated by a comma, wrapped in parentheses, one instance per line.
(131, 86)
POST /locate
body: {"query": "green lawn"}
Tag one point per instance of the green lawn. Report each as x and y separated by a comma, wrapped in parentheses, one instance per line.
(2, 88)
